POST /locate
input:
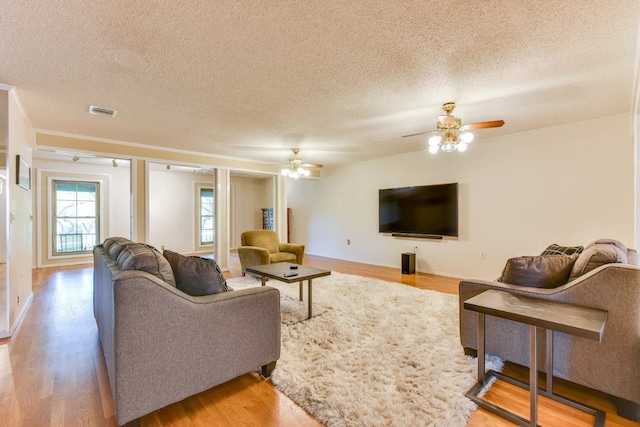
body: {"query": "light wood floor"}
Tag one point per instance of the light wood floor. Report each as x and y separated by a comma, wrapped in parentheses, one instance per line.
(52, 371)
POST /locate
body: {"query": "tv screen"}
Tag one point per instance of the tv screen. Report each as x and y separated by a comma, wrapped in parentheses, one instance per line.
(422, 210)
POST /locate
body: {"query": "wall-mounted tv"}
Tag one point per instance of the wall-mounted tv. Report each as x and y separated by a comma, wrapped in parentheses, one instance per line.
(421, 211)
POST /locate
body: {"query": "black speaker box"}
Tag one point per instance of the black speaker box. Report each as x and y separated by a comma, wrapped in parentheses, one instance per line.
(408, 263)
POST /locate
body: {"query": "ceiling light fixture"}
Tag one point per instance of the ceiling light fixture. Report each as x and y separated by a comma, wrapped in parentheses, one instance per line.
(294, 169)
(451, 139)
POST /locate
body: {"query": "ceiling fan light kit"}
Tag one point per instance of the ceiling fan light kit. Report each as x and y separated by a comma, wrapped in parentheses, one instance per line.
(451, 134)
(296, 168)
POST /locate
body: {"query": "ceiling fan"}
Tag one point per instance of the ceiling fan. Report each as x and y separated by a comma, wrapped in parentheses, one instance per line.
(451, 133)
(296, 168)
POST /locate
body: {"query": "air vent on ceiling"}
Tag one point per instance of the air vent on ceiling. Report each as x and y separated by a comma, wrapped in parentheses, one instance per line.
(99, 111)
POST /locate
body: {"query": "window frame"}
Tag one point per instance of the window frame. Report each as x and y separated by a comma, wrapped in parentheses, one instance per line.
(54, 235)
(45, 203)
(201, 186)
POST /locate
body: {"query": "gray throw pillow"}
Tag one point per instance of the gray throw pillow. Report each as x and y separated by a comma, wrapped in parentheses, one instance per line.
(597, 254)
(115, 245)
(139, 256)
(542, 271)
(196, 276)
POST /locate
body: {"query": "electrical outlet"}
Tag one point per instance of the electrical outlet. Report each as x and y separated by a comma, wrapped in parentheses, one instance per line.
(415, 249)
(348, 241)
(18, 299)
(483, 255)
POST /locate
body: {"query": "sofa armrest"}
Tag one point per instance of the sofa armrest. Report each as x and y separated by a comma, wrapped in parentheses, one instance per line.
(169, 345)
(297, 250)
(252, 255)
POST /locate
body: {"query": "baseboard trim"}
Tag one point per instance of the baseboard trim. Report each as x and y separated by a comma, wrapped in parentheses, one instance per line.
(21, 314)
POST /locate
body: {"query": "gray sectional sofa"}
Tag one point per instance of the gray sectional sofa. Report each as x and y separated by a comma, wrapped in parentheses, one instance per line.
(162, 345)
(605, 276)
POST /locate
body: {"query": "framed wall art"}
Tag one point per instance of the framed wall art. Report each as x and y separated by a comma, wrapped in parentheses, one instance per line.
(23, 173)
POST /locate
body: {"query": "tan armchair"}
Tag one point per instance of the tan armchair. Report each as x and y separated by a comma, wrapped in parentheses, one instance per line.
(260, 247)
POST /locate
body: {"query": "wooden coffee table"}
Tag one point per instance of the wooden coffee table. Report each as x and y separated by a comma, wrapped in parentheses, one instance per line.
(283, 272)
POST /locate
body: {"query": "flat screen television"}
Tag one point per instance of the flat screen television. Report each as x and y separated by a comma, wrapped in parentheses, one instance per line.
(421, 211)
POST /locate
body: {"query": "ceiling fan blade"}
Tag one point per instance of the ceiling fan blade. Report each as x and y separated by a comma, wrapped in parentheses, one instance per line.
(482, 125)
(311, 165)
(420, 133)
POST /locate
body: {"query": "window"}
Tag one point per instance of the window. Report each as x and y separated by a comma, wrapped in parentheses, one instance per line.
(206, 216)
(75, 221)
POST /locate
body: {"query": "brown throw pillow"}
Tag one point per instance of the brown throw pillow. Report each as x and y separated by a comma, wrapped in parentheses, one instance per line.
(196, 276)
(542, 271)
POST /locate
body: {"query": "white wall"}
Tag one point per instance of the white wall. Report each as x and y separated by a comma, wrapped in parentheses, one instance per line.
(249, 197)
(21, 139)
(172, 209)
(566, 185)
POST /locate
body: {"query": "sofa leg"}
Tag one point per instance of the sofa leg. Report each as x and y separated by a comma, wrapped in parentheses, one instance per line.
(133, 423)
(470, 352)
(628, 409)
(268, 369)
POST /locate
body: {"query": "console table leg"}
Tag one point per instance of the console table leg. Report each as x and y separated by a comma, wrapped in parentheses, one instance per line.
(481, 348)
(301, 282)
(549, 361)
(533, 375)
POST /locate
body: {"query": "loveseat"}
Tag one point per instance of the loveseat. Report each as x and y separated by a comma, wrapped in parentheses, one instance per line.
(162, 345)
(259, 247)
(612, 365)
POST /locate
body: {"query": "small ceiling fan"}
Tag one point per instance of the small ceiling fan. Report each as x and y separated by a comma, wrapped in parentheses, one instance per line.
(451, 134)
(296, 168)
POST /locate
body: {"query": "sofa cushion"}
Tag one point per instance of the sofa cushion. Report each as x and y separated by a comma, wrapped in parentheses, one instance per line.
(616, 243)
(542, 271)
(138, 256)
(114, 246)
(597, 253)
(555, 249)
(196, 276)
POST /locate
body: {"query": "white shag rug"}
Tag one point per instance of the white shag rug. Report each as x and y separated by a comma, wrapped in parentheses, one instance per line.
(374, 353)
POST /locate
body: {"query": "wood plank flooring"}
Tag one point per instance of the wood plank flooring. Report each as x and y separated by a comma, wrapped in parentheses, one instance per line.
(52, 371)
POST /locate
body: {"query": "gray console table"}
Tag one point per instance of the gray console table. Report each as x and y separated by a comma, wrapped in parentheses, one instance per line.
(571, 319)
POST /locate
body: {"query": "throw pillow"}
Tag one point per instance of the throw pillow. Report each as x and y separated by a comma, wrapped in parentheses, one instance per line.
(196, 276)
(616, 243)
(114, 246)
(597, 254)
(138, 256)
(543, 271)
(555, 249)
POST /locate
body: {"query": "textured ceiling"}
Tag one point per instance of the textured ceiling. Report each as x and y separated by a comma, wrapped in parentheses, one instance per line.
(342, 80)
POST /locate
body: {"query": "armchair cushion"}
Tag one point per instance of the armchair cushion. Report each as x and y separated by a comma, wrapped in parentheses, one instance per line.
(543, 271)
(196, 276)
(262, 238)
